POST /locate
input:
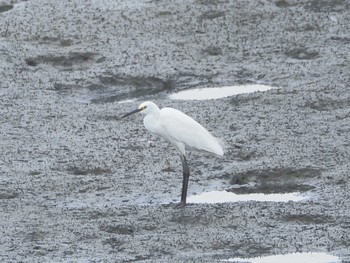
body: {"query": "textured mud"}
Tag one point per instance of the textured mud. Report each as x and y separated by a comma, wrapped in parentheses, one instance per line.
(77, 184)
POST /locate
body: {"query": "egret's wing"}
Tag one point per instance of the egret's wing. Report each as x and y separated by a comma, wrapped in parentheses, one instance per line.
(178, 127)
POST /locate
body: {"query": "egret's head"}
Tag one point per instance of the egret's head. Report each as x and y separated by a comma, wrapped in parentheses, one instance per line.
(145, 108)
(148, 107)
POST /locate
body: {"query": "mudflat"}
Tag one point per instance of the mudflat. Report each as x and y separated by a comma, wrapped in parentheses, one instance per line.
(78, 184)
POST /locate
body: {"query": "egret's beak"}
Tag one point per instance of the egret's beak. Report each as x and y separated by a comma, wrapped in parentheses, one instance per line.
(134, 111)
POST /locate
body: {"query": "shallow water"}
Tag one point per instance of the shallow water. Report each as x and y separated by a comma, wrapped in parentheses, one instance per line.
(126, 101)
(290, 258)
(217, 92)
(224, 197)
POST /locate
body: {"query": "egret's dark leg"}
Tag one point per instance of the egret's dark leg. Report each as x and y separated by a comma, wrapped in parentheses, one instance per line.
(186, 176)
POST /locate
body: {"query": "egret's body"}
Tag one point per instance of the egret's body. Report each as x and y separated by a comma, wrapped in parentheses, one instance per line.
(180, 130)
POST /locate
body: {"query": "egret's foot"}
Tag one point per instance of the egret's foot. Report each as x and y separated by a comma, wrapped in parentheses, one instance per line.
(180, 205)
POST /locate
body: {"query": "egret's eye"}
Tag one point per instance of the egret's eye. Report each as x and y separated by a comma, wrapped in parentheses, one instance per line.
(144, 107)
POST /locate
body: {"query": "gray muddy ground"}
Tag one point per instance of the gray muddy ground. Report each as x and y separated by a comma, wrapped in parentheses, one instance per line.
(78, 184)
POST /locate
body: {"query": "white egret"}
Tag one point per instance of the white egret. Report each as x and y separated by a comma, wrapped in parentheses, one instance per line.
(181, 131)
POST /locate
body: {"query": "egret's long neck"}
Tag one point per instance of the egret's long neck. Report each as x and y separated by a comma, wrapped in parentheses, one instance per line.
(151, 121)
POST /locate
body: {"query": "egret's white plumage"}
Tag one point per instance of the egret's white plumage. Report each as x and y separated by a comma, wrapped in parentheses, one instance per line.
(180, 130)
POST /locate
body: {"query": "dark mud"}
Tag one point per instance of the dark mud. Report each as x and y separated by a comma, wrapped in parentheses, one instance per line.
(78, 184)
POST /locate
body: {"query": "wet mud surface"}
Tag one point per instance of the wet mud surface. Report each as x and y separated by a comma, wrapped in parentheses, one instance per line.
(78, 184)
